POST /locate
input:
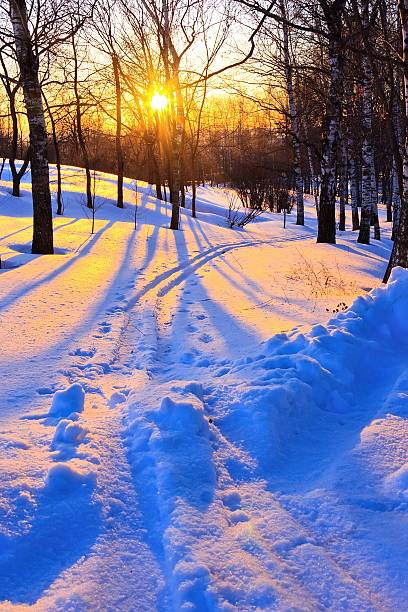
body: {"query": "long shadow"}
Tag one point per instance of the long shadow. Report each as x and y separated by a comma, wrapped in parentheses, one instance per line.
(54, 351)
(202, 241)
(71, 222)
(152, 238)
(244, 285)
(23, 229)
(23, 202)
(225, 322)
(8, 301)
(372, 251)
(167, 274)
(245, 280)
(186, 268)
(200, 228)
(55, 228)
(63, 531)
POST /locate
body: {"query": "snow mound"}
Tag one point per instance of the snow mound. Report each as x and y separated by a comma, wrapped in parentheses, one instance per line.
(171, 454)
(298, 378)
(396, 483)
(68, 401)
(68, 432)
(173, 443)
(69, 477)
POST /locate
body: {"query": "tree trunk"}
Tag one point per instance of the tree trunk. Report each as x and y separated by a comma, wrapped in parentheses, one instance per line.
(387, 188)
(177, 153)
(375, 221)
(343, 185)
(193, 189)
(297, 169)
(367, 204)
(79, 131)
(327, 207)
(354, 191)
(60, 206)
(28, 64)
(399, 254)
(17, 175)
(396, 201)
(118, 136)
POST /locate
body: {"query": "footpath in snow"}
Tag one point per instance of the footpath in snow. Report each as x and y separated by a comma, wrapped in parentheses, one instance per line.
(209, 419)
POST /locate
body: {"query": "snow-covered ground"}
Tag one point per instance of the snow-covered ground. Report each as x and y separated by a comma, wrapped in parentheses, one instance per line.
(199, 420)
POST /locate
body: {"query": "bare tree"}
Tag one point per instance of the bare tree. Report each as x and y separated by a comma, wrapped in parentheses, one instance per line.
(28, 62)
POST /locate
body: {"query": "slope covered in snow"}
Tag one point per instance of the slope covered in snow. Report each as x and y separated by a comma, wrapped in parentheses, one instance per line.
(184, 425)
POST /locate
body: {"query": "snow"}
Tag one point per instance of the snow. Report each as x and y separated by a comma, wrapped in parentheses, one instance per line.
(68, 401)
(64, 477)
(209, 419)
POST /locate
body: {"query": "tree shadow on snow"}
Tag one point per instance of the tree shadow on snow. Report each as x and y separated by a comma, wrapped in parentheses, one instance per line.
(64, 529)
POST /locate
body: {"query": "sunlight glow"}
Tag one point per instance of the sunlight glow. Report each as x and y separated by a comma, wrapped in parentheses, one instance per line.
(159, 102)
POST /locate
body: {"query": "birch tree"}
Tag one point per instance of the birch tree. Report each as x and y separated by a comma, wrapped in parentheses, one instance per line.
(28, 62)
(399, 254)
(369, 196)
(333, 13)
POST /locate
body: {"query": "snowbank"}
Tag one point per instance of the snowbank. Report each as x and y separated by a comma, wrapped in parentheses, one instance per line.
(299, 377)
(68, 401)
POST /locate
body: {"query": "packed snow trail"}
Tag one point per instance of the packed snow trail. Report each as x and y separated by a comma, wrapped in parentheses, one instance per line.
(248, 484)
(201, 472)
(231, 464)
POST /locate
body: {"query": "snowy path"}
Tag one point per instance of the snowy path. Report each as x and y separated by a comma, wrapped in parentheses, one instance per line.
(201, 474)
(258, 539)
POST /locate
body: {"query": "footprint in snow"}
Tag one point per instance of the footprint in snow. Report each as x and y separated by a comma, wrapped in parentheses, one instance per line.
(222, 372)
(238, 517)
(206, 338)
(116, 399)
(232, 500)
(201, 317)
(80, 352)
(105, 327)
(114, 309)
(45, 391)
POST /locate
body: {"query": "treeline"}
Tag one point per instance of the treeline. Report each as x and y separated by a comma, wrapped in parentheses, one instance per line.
(344, 65)
(314, 98)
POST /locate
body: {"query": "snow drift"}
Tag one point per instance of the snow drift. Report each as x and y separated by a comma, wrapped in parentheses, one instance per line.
(298, 378)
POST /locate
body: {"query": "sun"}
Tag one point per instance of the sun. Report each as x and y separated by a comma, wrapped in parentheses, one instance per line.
(159, 102)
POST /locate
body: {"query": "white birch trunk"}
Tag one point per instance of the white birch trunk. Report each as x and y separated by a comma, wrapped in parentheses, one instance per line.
(367, 204)
(354, 188)
(343, 186)
(399, 255)
(396, 201)
(28, 64)
(327, 208)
